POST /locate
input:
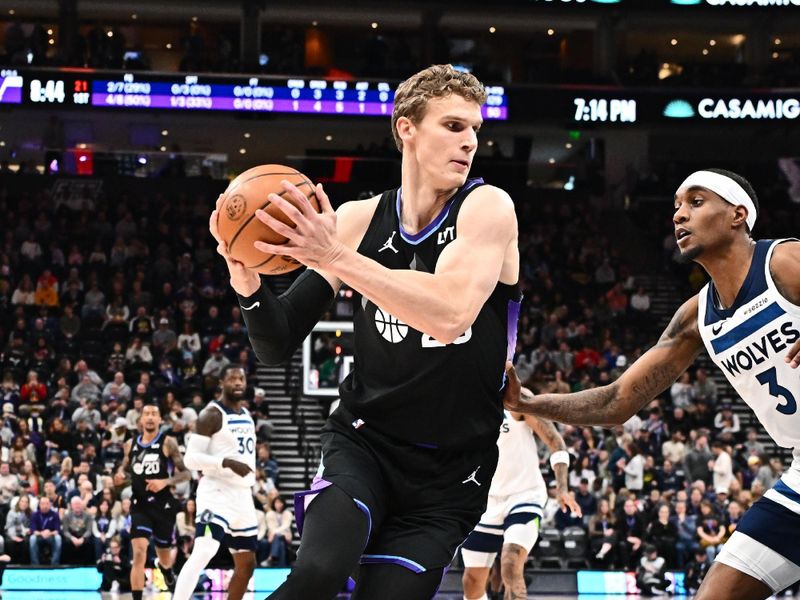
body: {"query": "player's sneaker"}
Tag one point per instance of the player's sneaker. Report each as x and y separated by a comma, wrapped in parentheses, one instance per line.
(167, 577)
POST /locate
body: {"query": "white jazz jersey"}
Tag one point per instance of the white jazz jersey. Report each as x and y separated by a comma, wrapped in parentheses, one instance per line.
(749, 341)
(518, 460)
(236, 439)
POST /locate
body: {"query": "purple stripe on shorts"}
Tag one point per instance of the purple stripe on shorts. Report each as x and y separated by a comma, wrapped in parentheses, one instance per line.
(371, 559)
(513, 318)
(317, 486)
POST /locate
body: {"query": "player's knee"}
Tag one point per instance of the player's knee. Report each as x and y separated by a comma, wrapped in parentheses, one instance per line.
(473, 583)
(512, 562)
(139, 553)
(319, 567)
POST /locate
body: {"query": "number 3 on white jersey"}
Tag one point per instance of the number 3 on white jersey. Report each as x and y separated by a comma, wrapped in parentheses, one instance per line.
(429, 342)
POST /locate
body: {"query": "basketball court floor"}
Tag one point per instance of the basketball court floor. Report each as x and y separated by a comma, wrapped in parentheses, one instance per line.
(63, 595)
(66, 595)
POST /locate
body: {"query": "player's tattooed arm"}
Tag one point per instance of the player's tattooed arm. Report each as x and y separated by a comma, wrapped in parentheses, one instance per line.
(547, 432)
(173, 452)
(122, 478)
(615, 403)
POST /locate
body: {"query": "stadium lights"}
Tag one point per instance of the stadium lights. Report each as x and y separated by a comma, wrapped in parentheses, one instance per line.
(164, 132)
(247, 135)
(374, 25)
(492, 29)
(777, 41)
(712, 42)
(705, 51)
(242, 151)
(673, 42)
(551, 31)
(328, 138)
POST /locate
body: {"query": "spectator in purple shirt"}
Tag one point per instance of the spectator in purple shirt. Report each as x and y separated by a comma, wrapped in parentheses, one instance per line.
(45, 528)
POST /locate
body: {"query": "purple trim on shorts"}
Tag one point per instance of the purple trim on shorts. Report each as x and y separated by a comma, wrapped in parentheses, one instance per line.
(441, 581)
(513, 317)
(371, 559)
(317, 486)
(365, 509)
(427, 446)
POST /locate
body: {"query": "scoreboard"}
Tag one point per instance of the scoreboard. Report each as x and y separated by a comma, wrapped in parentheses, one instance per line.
(85, 88)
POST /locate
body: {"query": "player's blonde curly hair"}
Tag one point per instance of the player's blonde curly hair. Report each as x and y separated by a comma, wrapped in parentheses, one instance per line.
(437, 81)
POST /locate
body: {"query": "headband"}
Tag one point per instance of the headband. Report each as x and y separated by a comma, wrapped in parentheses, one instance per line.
(726, 188)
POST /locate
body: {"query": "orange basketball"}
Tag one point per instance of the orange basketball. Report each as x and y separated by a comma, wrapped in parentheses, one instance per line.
(238, 224)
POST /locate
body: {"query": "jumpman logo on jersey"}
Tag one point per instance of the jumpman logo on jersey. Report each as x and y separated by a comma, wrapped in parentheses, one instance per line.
(389, 245)
(472, 477)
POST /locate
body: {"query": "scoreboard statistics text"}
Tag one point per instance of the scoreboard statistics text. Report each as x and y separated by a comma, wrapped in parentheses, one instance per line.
(86, 88)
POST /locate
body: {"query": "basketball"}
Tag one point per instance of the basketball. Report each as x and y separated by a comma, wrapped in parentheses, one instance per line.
(238, 224)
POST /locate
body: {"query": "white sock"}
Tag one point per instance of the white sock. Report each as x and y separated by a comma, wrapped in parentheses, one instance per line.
(204, 550)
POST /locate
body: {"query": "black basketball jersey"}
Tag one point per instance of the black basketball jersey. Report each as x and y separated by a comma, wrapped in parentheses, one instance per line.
(148, 462)
(405, 383)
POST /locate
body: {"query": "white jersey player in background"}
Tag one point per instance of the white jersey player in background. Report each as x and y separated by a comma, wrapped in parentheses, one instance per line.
(748, 320)
(223, 447)
(514, 510)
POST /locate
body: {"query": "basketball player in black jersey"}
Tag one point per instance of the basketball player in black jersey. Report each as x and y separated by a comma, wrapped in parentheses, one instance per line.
(152, 462)
(409, 455)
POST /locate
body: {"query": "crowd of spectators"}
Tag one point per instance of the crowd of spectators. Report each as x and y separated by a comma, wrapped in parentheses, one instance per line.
(102, 309)
(107, 305)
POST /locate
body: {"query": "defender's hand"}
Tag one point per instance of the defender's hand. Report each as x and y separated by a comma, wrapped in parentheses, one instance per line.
(512, 398)
(793, 355)
(241, 469)
(567, 502)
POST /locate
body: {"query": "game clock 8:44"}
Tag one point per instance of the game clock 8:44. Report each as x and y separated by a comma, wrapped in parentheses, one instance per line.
(59, 91)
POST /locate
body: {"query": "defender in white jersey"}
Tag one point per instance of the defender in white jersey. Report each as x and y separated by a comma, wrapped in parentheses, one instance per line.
(747, 319)
(223, 447)
(514, 509)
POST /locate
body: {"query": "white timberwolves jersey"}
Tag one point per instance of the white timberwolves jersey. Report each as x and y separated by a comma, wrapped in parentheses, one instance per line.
(518, 460)
(236, 440)
(749, 341)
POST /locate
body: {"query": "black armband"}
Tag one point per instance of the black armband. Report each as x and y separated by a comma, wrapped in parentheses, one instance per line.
(278, 324)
